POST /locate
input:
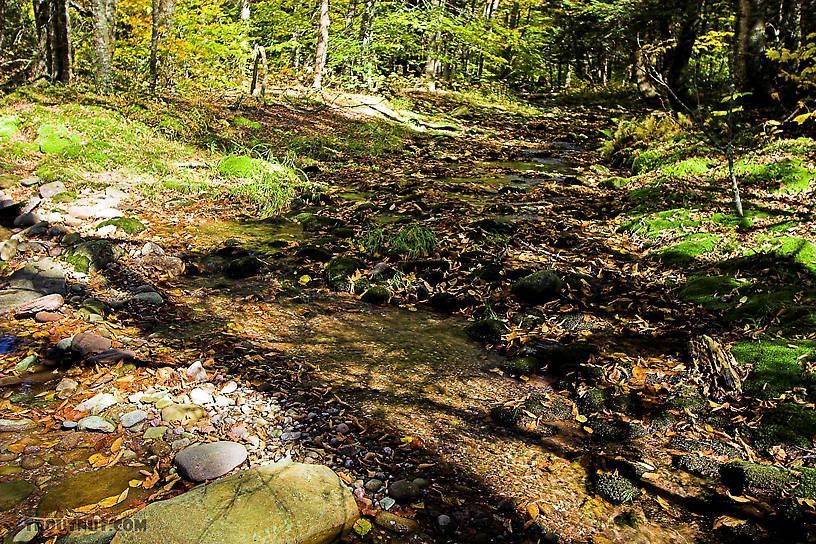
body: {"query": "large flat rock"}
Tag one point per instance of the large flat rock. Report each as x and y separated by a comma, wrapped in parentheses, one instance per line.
(35, 280)
(284, 503)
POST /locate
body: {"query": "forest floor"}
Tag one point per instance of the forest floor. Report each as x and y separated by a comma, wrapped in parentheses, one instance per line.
(337, 275)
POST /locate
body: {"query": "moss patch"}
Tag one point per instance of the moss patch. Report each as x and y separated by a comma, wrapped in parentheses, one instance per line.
(689, 248)
(710, 290)
(130, 225)
(788, 424)
(9, 126)
(777, 366)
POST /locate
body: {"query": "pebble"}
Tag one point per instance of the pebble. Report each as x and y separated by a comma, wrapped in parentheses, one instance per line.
(26, 534)
(132, 418)
(221, 401)
(96, 423)
(159, 447)
(290, 435)
(373, 485)
(342, 428)
(69, 425)
(47, 317)
(182, 412)
(387, 502)
(230, 387)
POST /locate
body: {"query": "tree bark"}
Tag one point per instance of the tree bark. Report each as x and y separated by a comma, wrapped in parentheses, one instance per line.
(322, 47)
(432, 63)
(751, 72)
(366, 38)
(104, 34)
(243, 13)
(677, 75)
(53, 25)
(161, 20)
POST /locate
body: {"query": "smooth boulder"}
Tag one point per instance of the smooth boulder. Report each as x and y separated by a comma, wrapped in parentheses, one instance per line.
(282, 503)
(209, 461)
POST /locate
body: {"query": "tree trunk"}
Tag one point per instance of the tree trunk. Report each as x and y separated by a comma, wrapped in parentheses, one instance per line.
(432, 63)
(53, 26)
(751, 71)
(2, 23)
(243, 13)
(366, 38)
(677, 75)
(161, 20)
(322, 46)
(104, 34)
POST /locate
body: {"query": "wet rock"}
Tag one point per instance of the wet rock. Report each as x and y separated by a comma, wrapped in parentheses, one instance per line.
(403, 490)
(243, 267)
(28, 219)
(500, 225)
(373, 485)
(133, 417)
(745, 477)
(14, 492)
(395, 524)
(35, 280)
(284, 503)
(539, 287)
(445, 302)
(98, 403)
(165, 264)
(209, 461)
(88, 343)
(182, 412)
(30, 462)
(88, 488)
(113, 356)
(312, 222)
(50, 189)
(47, 303)
(153, 433)
(16, 425)
(96, 423)
(129, 225)
(196, 372)
(159, 448)
(67, 384)
(489, 331)
(314, 253)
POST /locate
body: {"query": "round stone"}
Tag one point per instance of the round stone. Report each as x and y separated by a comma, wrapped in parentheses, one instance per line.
(208, 461)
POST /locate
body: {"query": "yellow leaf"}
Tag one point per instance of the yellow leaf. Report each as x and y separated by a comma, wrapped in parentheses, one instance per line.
(304, 279)
(135, 483)
(580, 418)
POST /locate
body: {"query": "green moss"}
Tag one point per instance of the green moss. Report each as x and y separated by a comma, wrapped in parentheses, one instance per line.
(777, 366)
(789, 176)
(80, 263)
(653, 225)
(9, 126)
(615, 182)
(489, 331)
(237, 165)
(244, 122)
(709, 290)
(49, 172)
(689, 248)
(688, 168)
(130, 225)
(787, 424)
(615, 488)
(745, 477)
(520, 366)
(340, 269)
(65, 196)
(807, 483)
(798, 249)
(376, 294)
(534, 410)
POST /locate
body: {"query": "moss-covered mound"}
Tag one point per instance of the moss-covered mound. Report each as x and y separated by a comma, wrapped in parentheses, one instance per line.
(538, 287)
(615, 488)
(489, 330)
(788, 424)
(340, 269)
(778, 366)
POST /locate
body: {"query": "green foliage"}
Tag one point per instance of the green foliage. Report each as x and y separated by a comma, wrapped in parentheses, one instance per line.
(627, 142)
(9, 126)
(413, 240)
(789, 176)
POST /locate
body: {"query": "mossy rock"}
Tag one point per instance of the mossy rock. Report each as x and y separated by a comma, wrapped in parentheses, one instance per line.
(533, 411)
(806, 487)
(93, 255)
(489, 330)
(54, 143)
(311, 222)
(788, 424)
(563, 359)
(65, 196)
(71, 238)
(746, 477)
(520, 366)
(615, 430)
(340, 269)
(94, 306)
(488, 273)
(376, 294)
(241, 121)
(445, 302)
(538, 287)
(313, 253)
(615, 488)
(697, 464)
(689, 248)
(615, 183)
(610, 398)
(243, 267)
(130, 225)
(778, 366)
